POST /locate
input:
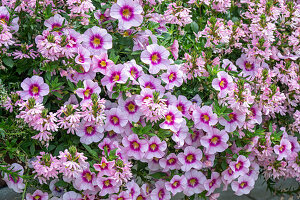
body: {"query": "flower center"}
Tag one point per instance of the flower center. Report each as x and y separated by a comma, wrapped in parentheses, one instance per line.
(135, 145)
(176, 184)
(153, 146)
(212, 183)
(103, 63)
(161, 194)
(140, 197)
(169, 118)
(238, 165)
(126, 13)
(88, 176)
(172, 77)
(87, 93)
(116, 77)
(155, 58)
(281, 148)
(243, 184)
(107, 183)
(205, 117)
(215, 140)
(232, 117)
(35, 90)
(115, 120)
(171, 161)
(96, 41)
(131, 107)
(193, 182)
(190, 158)
(90, 130)
(133, 73)
(37, 197)
(223, 83)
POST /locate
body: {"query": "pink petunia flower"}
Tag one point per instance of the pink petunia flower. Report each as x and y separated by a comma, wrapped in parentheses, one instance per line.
(101, 63)
(176, 184)
(148, 81)
(134, 147)
(141, 40)
(222, 83)
(55, 22)
(283, 150)
(85, 180)
(156, 148)
(190, 158)
(115, 74)
(38, 194)
(240, 166)
(133, 71)
(160, 192)
(15, 183)
(249, 68)
(122, 196)
(156, 57)
(128, 12)
(90, 87)
(215, 141)
(34, 87)
(211, 184)
(255, 115)
(97, 40)
(243, 186)
(105, 167)
(204, 118)
(236, 119)
(71, 195)
(116, 120)
(130, 108)
(107, 185)
(133, 189)
(173, 119)
(89, 132)
(173, 77)
(195, 180)
(171, 162)
(83, 58)
(227, 64)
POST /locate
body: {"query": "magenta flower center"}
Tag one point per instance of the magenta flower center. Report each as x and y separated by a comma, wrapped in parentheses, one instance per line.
(248, 66)
(153, 147)
(127, 13)
(107, 184)
(232, 117)
(195, 136)
(212, 183)
(96, 41)
(170, 118)
(193, 182)
(115, 76)
(149, 85)
(115, 120)
(155, 58)
(238, 166)
(223, 83)
(4, 19)
(215, 140)
(172, 77)
(205, 118)
(282, 148)
(102, 64)
(16, 180)
(37, 197)
(175, 184)
(34, 90)
(56, 25)
(190, 158)
(134, 72)
(243, 184)
(90, 130)
(171, 161)
(88, 93)
(252, 112)
(130, 107)
(161, 194)
(135, 145)
(87, 177)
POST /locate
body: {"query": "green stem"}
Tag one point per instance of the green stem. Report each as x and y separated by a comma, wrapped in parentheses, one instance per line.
(24, 192)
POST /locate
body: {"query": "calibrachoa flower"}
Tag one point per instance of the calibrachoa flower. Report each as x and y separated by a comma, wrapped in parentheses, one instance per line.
(85, 180)
(156, 148)
(243, 186)
(116, 120)
(55, 22)
(135, 147)
(173, 119)
(177, 184)
(173, 77)
(107, 186)
(194, 184)
(71, 196)
(240, 166)
(215, 141)
(130, 108)
(83, 58)
(204, 118)
(160, 192)
(15, 183)
(236, 120)
(283, 150)
(211, 184)
(34, 87)
(190, 158)
(128, 12)
(90, 87)
(38, 194)
(89, 132)
(171, 162)
(249, 67)
(156, 57)
(97, 40)
(101, 63)
(223, 83)
(115, 74)
(133, 189)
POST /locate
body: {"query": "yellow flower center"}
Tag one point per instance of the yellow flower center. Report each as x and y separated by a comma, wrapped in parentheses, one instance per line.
(96, 41)
(126, 13)
(140, 197)
(107, 182)
(171, 160)
(115, 119)
(190, 157)
(35, 90)
(171, 76)
(103, 165)
(153, 146)
(222, 83)
(103, 63)
(120, 198)
(37, 197)
(205, 118)
(192, 181)
(135, 145)
(160, 194)
(131, 107)
(116, 77)
(169, 118)
(154, 58)
(238, 165)
(248, 66)
(89, 129)
(214, 140)
(180, 108)
(88, 176)
(231, 116)
(175, 183)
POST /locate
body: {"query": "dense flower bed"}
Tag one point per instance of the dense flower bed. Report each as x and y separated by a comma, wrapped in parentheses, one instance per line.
(144, 99)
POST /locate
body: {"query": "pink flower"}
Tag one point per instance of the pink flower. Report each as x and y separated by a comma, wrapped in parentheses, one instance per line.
(190, 158)
(249, 68)
(116, 120)
(123, 195)
(174, 49)
(83, 58)
(215, 141)
(115, 74)
(128, 12)
(97, 40)
(71, 196)
(105, 167)
(89, 132)
(182, 104)
(134, 147)
(85, 180)
(227, 64)
(90, 88)
(173, 77)
(156, 57)
(240, 166)
(141, 40)
(101, 63)
(211, 184)
(130, 108)
(55, 22)
(133, 71)
(38, 194)
(180, 136)
(15, 183)
(177, 184)
(34, 87)
(160, 192)
(236, 119)
(195, 180)
(107, 185)
(204, 118)
(284, 149)
(156, 148)
(223, 83)
(171, 162)
(173, 119)
(133, 189)
(243, 186)
(148, 81)
(255, 115)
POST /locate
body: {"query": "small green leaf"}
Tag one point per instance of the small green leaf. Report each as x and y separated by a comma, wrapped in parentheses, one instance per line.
(8, 62)
(115, 95)
(158, 175)
(90, 150)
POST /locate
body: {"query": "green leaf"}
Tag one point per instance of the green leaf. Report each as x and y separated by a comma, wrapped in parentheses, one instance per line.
(195, 27)
(158, 175)
(32, 149)
(8, 62)
(115, 95)
(91, 151)
(57, 94)
(61, 183)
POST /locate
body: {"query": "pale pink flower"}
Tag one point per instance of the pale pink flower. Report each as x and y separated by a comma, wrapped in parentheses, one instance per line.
(38, 194)
(34, 87)
(240, 166)
(116, 120)
(55, 22)
(211, 184)
(173, 77)
(101, 63)
(215, 141)
(71, 196)
(173, 119)
(204, 118)
(283, 150)
(156, 148)
(90, 87)
(15, 183)
(236, 120)
(115, 74)
(160, 192)
(134, 147)
(195, 180)
(176, 184)
(222, 83)
(171, 162)
(89, 132)
(243, 186)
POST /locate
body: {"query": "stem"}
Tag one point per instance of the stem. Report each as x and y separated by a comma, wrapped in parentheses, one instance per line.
(24, 192)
